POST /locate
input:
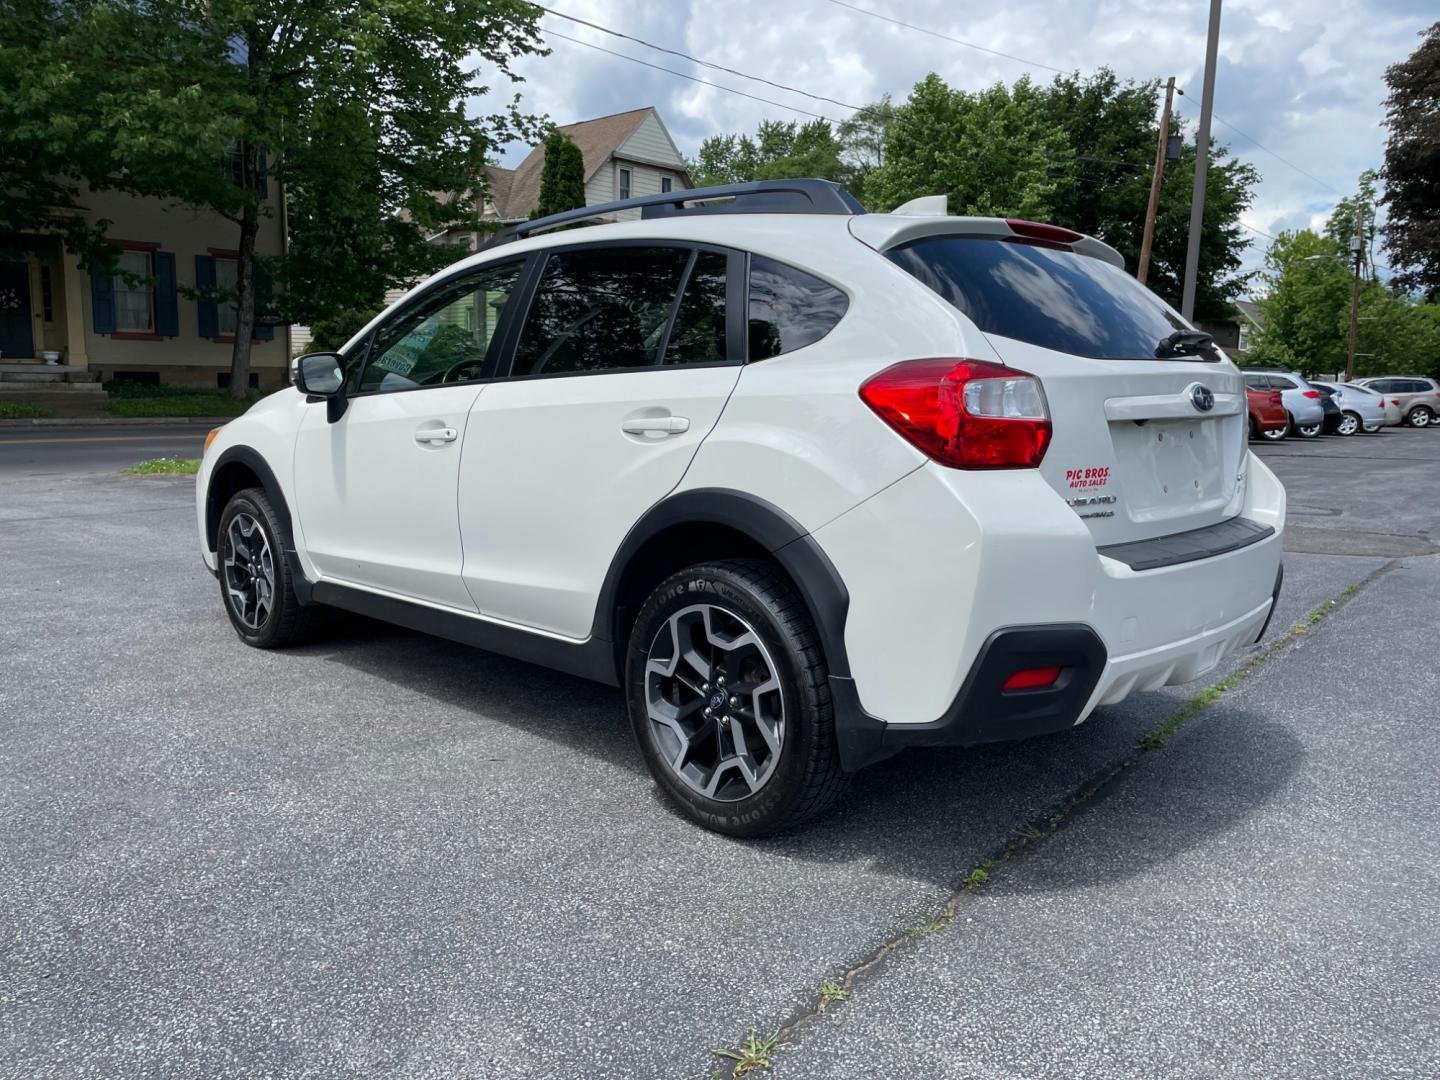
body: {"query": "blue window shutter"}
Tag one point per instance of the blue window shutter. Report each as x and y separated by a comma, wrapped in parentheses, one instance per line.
(207, 314)
(262, 302)
(102, 302)
(167, 302)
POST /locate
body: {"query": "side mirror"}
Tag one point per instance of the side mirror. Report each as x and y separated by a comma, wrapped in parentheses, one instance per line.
(318, 374)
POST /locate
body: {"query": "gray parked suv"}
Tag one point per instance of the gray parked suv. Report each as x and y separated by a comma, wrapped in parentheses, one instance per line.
(1418, 398)
(1301, 400)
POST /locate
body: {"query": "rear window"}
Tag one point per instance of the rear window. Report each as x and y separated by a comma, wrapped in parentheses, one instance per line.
(789, 308)
(1045, 296)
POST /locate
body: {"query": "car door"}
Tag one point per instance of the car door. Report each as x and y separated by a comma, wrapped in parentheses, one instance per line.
(622, 365)
(376, 489)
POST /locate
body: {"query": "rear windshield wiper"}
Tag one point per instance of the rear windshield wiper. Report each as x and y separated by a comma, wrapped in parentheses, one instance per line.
(1184, 343)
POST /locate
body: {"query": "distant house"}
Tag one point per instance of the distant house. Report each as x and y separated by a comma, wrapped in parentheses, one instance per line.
(626, 154)
(1235, 334)
(62, 329)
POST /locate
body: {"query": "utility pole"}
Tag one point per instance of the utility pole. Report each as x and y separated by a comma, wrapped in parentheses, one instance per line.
(1202, 164)
(1358, 243)
(1143, 270)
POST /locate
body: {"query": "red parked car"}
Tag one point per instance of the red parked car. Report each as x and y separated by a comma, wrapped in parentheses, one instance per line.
(1268, 418)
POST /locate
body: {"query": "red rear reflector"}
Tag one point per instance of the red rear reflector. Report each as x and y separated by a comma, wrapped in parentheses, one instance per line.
(967, 414)
(1032, 678)
(1311, 393)
(1036, 231)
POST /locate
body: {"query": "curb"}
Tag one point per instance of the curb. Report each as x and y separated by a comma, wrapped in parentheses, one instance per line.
(114, 421)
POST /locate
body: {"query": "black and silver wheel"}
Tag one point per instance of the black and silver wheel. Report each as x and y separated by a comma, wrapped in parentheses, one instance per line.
(1349, 423)
(1420, 416)
(1275, 434)
(728, 694)
(255, 579)
(1309, 431)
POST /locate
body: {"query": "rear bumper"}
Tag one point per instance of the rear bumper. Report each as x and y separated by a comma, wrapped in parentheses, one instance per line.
(954, 581)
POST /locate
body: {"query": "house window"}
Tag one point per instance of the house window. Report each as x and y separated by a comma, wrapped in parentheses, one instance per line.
(135, 303)
(227, 312)
(665, 183)
(624, 183)
(47, 295)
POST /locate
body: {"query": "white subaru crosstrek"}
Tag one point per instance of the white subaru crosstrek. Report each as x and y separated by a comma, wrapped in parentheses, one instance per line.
(812, 485)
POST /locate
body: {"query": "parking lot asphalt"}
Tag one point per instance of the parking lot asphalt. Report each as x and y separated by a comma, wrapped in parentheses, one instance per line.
(385, 855)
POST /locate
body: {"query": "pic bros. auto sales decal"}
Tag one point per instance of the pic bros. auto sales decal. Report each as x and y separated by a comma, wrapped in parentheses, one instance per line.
(1087, 478)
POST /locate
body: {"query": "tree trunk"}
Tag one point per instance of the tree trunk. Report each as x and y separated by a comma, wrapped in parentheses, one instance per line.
(244, 304)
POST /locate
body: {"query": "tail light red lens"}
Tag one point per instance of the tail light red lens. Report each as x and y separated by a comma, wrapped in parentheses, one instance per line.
(1034, 678)
(1276, 398)
(1312, 394)
(1395, 401)
(967, 414)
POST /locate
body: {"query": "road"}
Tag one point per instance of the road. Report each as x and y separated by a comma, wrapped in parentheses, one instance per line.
(388, 856)
(54, 450)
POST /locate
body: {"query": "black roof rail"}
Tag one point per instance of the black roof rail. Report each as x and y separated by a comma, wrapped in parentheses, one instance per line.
(757, 197)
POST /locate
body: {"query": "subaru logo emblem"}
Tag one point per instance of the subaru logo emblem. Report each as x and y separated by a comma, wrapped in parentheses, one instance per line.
(1202, 398)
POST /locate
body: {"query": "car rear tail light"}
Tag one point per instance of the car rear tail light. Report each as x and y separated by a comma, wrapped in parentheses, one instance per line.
(1312, 393)
(1276, 398)
(1395, 401)
(1034, 678)
(967, 414)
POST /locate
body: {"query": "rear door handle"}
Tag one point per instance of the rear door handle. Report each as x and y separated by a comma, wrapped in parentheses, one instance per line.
(656, 425)
(436, 435)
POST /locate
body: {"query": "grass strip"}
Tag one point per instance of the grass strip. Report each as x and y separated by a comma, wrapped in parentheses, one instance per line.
(164, 466)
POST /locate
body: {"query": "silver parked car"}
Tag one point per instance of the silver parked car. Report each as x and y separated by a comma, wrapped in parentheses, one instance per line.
(1394, 416)
(1418, 398)
(1301, 400)
(1360, 410)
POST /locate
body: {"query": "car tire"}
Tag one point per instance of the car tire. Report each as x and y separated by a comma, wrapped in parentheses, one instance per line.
(1309, 431)
(1420, 416)
(256, 582)
(728, 694)
(1350, 423)
(1276, 434)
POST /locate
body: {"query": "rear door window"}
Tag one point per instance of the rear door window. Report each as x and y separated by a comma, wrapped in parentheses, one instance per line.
(1046, 296)
(600, 309)
(789, 308)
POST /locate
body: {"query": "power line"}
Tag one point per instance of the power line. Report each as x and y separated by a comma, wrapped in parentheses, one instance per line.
(692, 78)
(1252, 228)
(1275, 155)
(695, 59)
(947, 37)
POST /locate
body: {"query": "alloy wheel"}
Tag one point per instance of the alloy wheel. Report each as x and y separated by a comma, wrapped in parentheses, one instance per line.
(1274, 434)
(1349, 425)
(249, 571)
(712, 694)
(1420, 418)
(1308, 431)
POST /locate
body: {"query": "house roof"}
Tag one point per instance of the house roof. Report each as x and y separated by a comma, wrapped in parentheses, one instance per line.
(598, 140)
(1251, 311)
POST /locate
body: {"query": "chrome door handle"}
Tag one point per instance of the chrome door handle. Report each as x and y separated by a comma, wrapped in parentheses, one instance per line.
(657, 425)
(436, 435)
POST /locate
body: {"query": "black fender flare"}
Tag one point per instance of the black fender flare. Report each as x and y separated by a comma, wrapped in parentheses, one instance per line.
(252, 460)
(796, 551)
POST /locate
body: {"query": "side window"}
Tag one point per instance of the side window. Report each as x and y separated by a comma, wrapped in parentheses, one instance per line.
(444, 339)
(789, 308)
(1417, 386)
(698, 336)
(1257, 382)
(600, 309)
(1279, 382)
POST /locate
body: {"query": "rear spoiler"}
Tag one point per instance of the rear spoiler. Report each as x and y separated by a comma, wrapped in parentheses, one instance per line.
(885, 231)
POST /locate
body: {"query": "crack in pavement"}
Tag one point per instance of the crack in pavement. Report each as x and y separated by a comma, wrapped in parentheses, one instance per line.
(1043, 828)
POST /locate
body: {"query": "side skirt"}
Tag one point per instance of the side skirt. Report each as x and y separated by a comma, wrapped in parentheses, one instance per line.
(591, 659)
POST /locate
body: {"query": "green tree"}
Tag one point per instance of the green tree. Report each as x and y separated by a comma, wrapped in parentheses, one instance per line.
(210, 104)
(562, 180)
(1412, 166)
(1306, 300)
(862, 143)
(780, 150)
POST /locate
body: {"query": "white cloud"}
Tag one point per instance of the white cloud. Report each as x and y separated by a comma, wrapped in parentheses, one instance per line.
(1303, 78)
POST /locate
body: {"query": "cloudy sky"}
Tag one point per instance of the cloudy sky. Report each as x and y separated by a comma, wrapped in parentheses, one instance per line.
(1301, 76)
